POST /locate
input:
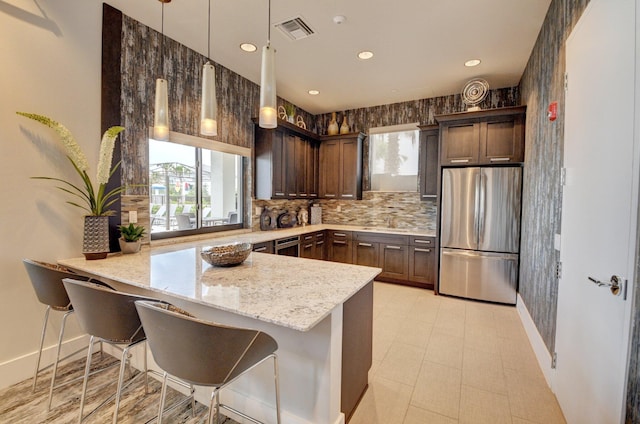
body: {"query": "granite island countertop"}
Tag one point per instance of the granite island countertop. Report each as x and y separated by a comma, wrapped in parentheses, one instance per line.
(291, 292)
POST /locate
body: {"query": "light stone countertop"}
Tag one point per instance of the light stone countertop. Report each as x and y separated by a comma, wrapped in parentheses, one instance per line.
(262, 236)
(291, 292)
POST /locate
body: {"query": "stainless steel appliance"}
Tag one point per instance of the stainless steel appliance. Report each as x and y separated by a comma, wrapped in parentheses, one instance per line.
(289, 246)
(480, 232)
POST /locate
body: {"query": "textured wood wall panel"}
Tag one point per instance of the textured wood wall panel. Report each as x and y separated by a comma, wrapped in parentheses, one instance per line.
(541, 84)
(146, 55)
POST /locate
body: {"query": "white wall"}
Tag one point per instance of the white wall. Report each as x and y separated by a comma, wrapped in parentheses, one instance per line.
(51, 61)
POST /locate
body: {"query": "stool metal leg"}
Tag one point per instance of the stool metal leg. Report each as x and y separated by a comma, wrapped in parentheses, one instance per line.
(44, 331)
(277, 383)
(163, 394)
(87, 368)
(123, 365)
(55, 364)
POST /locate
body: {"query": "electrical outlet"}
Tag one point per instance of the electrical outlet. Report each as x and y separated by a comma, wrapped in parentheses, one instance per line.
(258, 210)
(133, 217)
(338, 208)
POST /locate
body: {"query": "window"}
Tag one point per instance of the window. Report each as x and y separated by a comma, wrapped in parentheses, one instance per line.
(393, 158)
(195, 185)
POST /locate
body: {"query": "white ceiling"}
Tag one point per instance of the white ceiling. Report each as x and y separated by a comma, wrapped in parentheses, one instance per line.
(420, 46)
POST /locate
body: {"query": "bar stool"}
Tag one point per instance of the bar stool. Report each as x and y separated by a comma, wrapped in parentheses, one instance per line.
(203, 353)
(111, 317)
(46, 280)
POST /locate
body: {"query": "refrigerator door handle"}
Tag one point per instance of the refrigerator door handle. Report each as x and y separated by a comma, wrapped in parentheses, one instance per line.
(481, 207)
(476, 209)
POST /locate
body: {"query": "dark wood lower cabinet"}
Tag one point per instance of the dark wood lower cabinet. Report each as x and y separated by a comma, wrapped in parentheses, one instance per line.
(366, 253)
(357, 348)
(339, 248)
(394, 261)
(422, 266)
(312, 246)
(264, 247)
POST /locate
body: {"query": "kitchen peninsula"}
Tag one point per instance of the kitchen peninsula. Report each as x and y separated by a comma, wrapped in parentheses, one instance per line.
(319, 312)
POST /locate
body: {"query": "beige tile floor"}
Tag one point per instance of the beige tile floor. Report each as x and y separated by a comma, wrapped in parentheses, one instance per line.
(438, 359)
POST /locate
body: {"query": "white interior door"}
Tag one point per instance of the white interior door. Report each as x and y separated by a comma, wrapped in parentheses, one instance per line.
(599, 211)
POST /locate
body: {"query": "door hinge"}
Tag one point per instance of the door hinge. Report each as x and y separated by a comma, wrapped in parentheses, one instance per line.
(558, 270)
(566, 81)
(563, 177)
(554, 360)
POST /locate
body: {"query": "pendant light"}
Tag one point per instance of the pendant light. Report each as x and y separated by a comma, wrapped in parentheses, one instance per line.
(209, 110)
(268, 117)
(161, 111)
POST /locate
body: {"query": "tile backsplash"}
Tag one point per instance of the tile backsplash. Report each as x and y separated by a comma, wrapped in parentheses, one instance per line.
(376, 209)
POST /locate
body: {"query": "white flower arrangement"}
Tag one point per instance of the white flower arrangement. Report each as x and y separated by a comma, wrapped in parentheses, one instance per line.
(95, 202)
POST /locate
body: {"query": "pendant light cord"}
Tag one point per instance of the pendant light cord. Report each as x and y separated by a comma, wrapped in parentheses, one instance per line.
(162, 44)
(269, 27)
(209, 33)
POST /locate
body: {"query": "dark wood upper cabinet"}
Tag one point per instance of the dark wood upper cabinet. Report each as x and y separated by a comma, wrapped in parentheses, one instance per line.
(285, 162)
(484, 137)
(341, 166)
(428, 161)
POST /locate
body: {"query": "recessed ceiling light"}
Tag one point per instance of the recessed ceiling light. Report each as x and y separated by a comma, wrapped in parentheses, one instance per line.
(313, 92)
(365, 55)
(248, 47)
(472, 62)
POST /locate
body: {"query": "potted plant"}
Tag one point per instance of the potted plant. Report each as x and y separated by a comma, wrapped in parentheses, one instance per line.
(290, 110)
(131, 238)
(95, 200)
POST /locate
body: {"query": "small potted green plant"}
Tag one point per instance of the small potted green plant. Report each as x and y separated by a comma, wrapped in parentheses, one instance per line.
(290, 110)
(131, 238)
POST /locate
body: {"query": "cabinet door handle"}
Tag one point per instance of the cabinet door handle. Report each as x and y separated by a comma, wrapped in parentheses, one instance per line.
(422, 241)
(279, 193)
(339, 242)
(308, 237)
(347, 195)
(364, 244)
(339, 234)
(329, 195)
(260, 249)
(459, 160)
(292, 194)
(393, 247)
(499, 159)
(303, 194)
(308, 246)
(418, 249)
(318, 243)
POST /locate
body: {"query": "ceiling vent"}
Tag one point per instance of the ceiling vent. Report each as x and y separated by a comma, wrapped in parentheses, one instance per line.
(295, 28)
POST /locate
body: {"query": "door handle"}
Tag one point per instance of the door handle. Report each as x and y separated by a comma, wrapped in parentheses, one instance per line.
(616, 284)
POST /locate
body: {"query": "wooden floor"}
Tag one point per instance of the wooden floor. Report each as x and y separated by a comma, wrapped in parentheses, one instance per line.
(18, 404)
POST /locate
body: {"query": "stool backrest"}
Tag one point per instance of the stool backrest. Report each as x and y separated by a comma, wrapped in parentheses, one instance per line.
(104, 312)
(201, 352)
(46, 280)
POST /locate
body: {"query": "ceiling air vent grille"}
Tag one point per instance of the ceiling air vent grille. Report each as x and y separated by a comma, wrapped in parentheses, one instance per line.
(295, 28)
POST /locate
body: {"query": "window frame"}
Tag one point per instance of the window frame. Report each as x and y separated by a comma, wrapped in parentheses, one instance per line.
(413, 126)
(203, 143)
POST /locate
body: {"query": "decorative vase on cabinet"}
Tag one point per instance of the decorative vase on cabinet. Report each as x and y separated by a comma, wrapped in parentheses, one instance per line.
(333, 125)
(95, 242)
(344, 128)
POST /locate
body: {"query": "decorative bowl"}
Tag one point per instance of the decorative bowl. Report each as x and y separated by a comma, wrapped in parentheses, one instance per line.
(226, 254)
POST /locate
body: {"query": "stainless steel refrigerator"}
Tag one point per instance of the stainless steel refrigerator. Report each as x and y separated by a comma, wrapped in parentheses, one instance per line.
(480, 232)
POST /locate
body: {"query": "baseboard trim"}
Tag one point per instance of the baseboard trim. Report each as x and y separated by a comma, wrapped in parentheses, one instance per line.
(539, 347)
(21, 368)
